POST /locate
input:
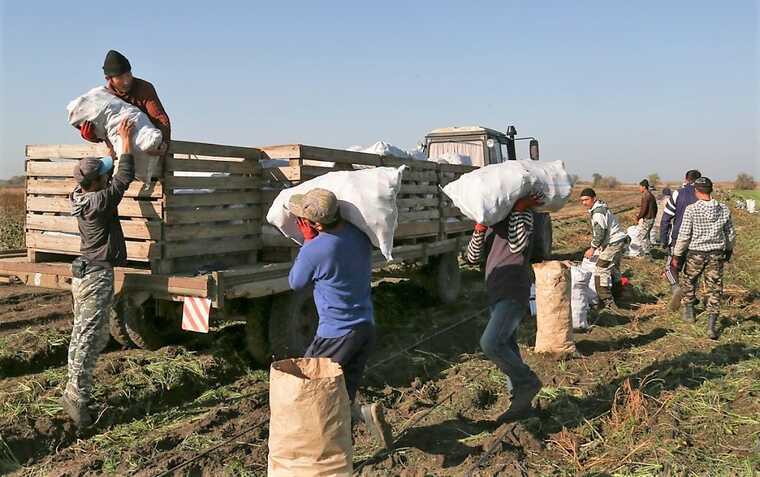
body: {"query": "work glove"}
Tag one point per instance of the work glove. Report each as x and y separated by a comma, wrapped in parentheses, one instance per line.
(480, 228)
(306, 229)
(727, 255)
(87, 130)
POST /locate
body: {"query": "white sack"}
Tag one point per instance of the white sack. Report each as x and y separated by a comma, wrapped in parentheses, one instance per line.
(581, 296)
(367, 199)
(106, 111)
(487, 195)
(635, 248)
(452, 158)
(533, 299)
(751, 206)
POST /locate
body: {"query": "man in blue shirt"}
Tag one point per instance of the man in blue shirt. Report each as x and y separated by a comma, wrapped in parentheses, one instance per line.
(336, 259)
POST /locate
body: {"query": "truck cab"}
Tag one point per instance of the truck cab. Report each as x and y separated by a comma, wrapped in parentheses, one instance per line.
(483, 146)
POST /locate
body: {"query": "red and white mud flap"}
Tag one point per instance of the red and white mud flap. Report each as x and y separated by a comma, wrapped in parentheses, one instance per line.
(195, 313)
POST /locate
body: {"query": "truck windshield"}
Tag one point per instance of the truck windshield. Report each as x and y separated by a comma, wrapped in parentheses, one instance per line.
(470, 149)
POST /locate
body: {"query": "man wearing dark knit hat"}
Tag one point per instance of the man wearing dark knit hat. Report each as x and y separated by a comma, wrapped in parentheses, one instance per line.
(94, 203)
(135, 91)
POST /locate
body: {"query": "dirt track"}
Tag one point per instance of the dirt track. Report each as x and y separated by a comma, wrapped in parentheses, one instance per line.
(649, 394)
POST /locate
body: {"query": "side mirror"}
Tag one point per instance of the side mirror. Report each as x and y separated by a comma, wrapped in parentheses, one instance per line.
(534, 149)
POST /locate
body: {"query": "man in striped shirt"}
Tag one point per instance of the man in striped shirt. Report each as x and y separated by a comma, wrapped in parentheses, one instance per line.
(508, 247)
(669, 229)
(705, 242)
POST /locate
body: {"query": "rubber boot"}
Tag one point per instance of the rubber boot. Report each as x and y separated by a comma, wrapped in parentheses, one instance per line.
(77, 412)
(688, 313)
(373, 417)
(675, 298)
(712, 333)
(522, 402)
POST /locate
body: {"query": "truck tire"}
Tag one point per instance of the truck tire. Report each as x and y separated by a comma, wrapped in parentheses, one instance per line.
(118, 325)
(292, 323)
(448, 278)
(257, 331)
(141, 325)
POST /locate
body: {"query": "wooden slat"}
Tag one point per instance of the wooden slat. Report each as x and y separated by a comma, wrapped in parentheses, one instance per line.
(417, 229)
(141, 251)
(60, 151)
(417, 202)
(315, 153)
(452, 212)
(206, 149)
(209, 214)
(206, 247)
(390, 161)
(418, 189)
(50, 169)
(228, 182)
(418, 215)
(137, 229)
(424, 176)
(213, 198)
(284, 151)
(462, 226)
(127, 208)
(65, 186)
(205, 165)
(457, 168)
(202, 231)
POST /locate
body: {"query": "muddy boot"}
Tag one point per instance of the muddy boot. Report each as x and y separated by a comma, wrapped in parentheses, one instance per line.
(675, 298)
(522, 402)
(688, 313)
(373, 417)
(712, 333)
(78, 413)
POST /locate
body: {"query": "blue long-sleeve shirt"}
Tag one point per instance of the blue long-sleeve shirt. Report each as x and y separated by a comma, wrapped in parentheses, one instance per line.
(338, 264)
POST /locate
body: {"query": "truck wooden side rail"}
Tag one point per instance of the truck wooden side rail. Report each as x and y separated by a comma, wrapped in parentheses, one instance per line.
(196, 229)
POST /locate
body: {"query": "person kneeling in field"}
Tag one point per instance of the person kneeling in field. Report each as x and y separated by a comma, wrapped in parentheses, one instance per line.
(508, 248)
(705, 243)
(336, 259)
(609, 240)
(94, 203)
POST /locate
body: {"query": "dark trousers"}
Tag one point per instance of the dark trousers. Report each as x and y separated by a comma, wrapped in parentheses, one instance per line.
(351, 351)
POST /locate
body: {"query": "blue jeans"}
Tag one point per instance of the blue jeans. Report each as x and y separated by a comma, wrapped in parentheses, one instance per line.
(499, 341)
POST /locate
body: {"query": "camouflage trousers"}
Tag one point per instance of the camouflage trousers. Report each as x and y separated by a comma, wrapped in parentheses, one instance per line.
(93, 301)
(644, 229)
(608, 263)
(709, 265)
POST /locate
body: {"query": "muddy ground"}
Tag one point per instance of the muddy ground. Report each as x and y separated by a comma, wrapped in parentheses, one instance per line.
(647, 395)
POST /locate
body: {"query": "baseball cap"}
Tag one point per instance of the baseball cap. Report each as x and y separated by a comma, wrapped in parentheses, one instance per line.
(89, 168)
(317, 205)
(703, 184)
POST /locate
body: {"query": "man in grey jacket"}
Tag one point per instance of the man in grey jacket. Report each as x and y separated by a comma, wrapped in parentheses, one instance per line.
(94, 203)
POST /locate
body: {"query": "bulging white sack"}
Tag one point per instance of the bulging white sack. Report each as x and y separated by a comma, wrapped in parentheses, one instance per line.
(106, 111)
(488, 194)
(367, 199)
(634, 247)
(581, 296)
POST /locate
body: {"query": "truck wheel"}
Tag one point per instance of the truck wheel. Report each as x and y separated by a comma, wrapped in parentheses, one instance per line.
(118, 324)
(292, 323)
(141, 325)
(448, 278)
(257, 330)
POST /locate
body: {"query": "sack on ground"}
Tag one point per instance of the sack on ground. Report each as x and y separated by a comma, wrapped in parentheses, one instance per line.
(487, 195)
(310, 423)
(583, 295)
(554, 325)
(635, 248)
(106, 111)
(367, 199)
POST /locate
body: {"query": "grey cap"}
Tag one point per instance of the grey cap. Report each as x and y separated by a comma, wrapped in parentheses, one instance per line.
(89, 168)
(317, 205)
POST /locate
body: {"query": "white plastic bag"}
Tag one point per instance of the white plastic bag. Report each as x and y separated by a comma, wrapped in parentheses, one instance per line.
(106, 111)
(488, 194)
(581, 296)
(635, 248)
(367, 199)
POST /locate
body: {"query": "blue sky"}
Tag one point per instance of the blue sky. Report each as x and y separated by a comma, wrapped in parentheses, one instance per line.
(620, 88)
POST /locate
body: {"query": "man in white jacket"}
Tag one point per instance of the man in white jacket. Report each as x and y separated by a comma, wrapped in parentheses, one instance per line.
(608, 240)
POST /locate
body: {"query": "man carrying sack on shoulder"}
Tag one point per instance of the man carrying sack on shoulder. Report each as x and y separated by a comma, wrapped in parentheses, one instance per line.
(336, 259)
(506, 247)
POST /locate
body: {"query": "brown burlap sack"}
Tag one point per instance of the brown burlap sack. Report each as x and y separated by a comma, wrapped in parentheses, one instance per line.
(554, 333)
(310, 423)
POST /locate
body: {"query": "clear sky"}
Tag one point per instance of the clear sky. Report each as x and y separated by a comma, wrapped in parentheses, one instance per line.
(620, 88)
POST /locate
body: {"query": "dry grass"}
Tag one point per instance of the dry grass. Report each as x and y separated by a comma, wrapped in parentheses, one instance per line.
(11, 218)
